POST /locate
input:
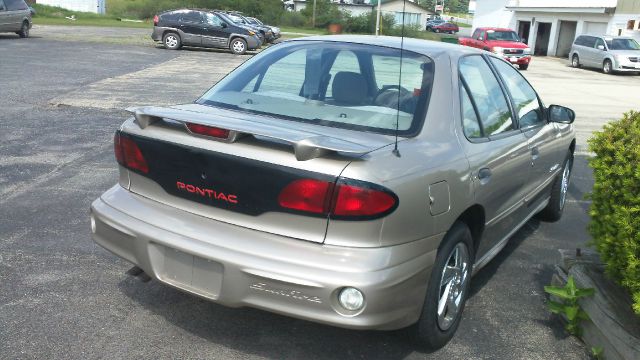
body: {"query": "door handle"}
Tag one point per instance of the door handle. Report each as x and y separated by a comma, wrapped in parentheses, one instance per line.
(484, 175)
(535, 153)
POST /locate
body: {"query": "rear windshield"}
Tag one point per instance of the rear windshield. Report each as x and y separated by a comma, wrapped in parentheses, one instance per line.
(502, 35)
(622, 44)
(345, 85)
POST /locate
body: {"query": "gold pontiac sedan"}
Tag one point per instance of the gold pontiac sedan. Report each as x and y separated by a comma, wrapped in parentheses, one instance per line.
(354, 181)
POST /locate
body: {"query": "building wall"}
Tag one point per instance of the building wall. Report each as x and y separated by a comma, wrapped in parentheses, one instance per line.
(492, 13)
(392, 7)
(628, 7)
(620, 22)
(93, 6)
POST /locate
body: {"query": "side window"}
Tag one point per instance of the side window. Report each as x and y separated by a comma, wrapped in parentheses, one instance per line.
(590, 41)
(13, 5)
(525, 98)
(2, 7)
(470, 121)
(213, 20)
(599, 42)
(290, 67)
(481, 36)
(485, 90)
(346, 61)
(192, 17)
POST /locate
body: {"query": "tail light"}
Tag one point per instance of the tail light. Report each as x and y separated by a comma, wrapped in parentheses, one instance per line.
(211, 131)
(347, 200)
(155, 20)
(128, 154)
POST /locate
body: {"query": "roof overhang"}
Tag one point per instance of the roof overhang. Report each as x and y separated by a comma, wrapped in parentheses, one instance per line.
(582, 10)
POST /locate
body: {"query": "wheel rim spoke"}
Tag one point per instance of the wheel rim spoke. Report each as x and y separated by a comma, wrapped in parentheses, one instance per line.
(452, 285)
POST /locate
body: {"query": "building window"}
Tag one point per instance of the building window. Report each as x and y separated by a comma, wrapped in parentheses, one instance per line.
(631, 24)
(409, 18)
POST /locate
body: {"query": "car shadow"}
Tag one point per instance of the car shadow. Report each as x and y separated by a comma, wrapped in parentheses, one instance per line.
(599, 71)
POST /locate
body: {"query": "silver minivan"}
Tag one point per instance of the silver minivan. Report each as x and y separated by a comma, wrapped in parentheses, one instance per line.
(15, 16)
(609, 53)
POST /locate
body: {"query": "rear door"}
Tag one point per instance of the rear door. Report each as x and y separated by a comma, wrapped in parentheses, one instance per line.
(497, 151)
(15, 14)
(589, 51)
(192, 24)
(545, 153)
(215, 33)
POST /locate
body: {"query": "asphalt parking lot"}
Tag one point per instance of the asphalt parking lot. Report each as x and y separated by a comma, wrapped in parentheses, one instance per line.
(62, 296)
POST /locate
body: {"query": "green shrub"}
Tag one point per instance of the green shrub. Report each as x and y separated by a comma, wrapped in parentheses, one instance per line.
(615, 207)
(292, 18)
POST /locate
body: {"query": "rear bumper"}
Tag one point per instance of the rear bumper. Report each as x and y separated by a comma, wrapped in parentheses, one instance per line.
(235, 266)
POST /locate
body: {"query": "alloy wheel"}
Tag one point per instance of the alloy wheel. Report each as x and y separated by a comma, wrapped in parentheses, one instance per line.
(171, 41)
(238, 46)
(564, 187)
(453, 282)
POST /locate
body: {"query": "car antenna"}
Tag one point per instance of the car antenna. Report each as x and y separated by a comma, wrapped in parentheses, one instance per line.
(396, 152)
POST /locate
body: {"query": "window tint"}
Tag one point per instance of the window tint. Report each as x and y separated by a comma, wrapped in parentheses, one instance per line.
(192, 17)
(213, 20)
(470, 122)
(526, 101)
(291, 80)
(170, 16)
(15, 5)
(2, 7)
(599, 42)
(487, 94)
(345, 61)
(589, 41)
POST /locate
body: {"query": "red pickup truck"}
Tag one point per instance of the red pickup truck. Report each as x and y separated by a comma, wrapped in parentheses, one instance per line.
(504, 42)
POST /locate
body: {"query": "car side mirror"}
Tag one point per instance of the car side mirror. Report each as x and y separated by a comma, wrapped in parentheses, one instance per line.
(600, 47)
(224, 25)
(561, 114)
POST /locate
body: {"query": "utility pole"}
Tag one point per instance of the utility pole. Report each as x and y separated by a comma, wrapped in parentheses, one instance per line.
(377, 19)
(313, 18)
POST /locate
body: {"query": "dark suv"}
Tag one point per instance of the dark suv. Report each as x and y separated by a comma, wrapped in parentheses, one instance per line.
(205, 28)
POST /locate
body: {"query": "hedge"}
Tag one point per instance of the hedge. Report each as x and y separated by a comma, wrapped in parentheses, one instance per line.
(615, 207)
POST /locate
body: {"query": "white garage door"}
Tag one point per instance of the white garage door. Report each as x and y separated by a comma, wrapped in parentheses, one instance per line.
(595, 28)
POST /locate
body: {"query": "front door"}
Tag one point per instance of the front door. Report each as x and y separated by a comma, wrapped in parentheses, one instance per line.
(496, 149)
(192, 25)
(540, 134)
(215, 34)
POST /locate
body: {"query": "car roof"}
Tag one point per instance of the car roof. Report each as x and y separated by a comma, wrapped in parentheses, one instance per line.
(425, 47)
(607, 36)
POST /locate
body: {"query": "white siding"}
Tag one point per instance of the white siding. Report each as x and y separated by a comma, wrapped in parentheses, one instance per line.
(94, 6)
(492, 13)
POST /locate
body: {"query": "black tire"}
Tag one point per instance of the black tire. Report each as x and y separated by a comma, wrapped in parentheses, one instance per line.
(24, 30)
(523, 66)
(607, 67)
(238, 46)
(575, 61)
(171, 41)
(553, 211)
(429, 28)
(428, 332)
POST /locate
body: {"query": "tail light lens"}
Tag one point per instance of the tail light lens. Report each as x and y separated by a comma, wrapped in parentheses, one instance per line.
(128, 154)
(208, 131)
(155, 20)
(361, 201)
(353, 201)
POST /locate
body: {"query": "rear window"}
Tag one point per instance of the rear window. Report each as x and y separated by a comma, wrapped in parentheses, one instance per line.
(345, 85)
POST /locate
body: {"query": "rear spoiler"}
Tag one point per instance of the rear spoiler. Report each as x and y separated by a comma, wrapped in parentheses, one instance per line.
(306, 145)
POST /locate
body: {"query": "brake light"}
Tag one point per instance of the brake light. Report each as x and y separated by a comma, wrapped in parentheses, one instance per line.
(306, 195)
(361, 201)
(208, 131)
(128, 154)
(155, 20)
(350, 201)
